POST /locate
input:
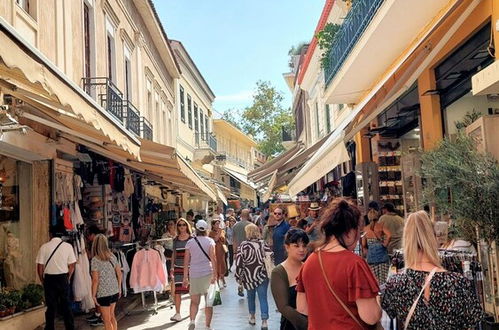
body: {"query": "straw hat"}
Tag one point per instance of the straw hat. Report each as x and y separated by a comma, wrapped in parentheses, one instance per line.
(314, 206)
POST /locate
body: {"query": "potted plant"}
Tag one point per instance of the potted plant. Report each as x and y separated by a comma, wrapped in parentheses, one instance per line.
(3, 310)
(33, 294)
(15, 300)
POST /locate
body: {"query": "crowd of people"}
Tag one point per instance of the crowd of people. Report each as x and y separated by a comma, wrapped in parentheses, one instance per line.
(329, 270)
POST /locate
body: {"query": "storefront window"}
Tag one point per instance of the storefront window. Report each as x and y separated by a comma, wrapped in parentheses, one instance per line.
(9, 190)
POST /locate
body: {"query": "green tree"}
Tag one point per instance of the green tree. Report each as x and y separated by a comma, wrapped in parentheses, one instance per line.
(231, 116)
(325, 40)
(464, 183)
(266, 117)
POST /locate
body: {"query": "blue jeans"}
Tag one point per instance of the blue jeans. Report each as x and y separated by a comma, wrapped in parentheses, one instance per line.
(262, 297)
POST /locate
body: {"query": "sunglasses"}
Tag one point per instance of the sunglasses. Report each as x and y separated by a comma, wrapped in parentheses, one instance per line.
(181, 225)
(276, 213)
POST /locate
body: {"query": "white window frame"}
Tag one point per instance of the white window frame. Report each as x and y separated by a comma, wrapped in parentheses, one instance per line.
(127, 67)
(111, 33)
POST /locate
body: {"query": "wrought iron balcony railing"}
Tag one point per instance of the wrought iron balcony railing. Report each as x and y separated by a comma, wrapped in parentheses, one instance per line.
(107, 94)
(354, 25)
(132, 118)
(145, 129)
(205, 141)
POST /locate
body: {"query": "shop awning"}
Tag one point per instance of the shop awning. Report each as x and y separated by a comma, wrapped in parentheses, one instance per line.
(317, 167)
(239, 177)
(221, 196)
(162, 161)
(28, 75)
(270, 188)
(268, 168)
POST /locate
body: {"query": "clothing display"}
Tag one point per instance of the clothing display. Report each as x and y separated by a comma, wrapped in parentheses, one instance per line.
(82, 282)
(125, 269)
(148, 272)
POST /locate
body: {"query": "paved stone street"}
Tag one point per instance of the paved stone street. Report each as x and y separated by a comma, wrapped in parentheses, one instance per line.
(233, 313)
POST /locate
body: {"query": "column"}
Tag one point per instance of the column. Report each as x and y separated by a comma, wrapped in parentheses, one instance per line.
(431, 114)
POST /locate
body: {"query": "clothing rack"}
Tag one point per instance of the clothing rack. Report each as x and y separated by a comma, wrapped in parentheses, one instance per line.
(154, 308)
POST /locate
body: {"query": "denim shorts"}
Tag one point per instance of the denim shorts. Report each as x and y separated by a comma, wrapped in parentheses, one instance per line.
(107, 300)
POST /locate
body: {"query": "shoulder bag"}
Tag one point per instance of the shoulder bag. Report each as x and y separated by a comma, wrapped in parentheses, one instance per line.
(378, 325)
(199, 244)
(50, 257)
(413, 307)
(267, 259)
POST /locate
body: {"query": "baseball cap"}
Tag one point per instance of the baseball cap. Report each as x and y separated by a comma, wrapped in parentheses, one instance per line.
(201, 225)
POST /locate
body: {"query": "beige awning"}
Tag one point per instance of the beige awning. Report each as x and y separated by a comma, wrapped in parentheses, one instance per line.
(319, 168)
(270, 188)
(268, 168)
(221, 196)
(28, 75)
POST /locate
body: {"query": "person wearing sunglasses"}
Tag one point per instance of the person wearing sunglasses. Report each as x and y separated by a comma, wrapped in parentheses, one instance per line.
(184, 233)
(278, 234)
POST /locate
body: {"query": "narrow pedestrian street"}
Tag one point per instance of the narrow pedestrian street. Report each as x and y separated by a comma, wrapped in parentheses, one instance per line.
(232, 314)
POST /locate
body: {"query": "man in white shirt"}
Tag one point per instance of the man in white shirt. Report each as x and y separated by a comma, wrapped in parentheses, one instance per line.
(55, 265)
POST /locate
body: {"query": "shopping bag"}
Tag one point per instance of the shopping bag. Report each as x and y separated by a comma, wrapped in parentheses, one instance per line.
(210, 296)
(218, 298)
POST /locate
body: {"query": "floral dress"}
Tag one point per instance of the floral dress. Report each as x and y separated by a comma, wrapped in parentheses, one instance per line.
(453, 303)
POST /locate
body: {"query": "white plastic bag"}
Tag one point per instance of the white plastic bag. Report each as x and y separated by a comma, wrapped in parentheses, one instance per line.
(210, 296)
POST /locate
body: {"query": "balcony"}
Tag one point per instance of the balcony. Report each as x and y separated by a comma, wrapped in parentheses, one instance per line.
(145, 129)
(206, 147)
(132, 118)
(356, 21)
(106, 93)
(374, 35)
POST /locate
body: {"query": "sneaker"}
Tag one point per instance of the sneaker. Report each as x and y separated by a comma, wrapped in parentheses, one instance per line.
(176, 317)
(192, 325)
(97, 323)
(92, 318)
(265, 325)
(240, 291)
(252, 320)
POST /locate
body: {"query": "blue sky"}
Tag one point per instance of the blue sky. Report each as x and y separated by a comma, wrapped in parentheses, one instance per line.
(238, 42)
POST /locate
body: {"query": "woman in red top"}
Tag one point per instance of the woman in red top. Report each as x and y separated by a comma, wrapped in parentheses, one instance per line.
(347, 274)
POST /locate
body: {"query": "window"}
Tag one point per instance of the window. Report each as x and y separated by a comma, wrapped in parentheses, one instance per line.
(182, 104)
(328, 119)
(196, 118)
(149, 100)
(169, 132)
(24, 4)
(201, 122)
(340, 107)
(111, 51)
(206, 127)
(157, 119)
(317, 119)
(189, 110)
(128, 73)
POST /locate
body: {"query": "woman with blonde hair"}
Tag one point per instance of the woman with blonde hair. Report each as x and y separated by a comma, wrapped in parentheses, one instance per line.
(426, 296)
(184, 234)
(106, 281)
(252, 274)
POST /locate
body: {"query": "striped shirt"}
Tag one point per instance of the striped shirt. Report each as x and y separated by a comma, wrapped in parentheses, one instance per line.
(250, 265)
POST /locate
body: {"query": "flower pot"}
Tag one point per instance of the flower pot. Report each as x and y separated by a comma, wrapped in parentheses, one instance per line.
(3, 313)
(11, 310)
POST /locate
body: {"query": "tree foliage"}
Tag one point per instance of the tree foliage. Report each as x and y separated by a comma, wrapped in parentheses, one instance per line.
(464, 183)
(265, 118)
(325, 40)
(231, 116)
